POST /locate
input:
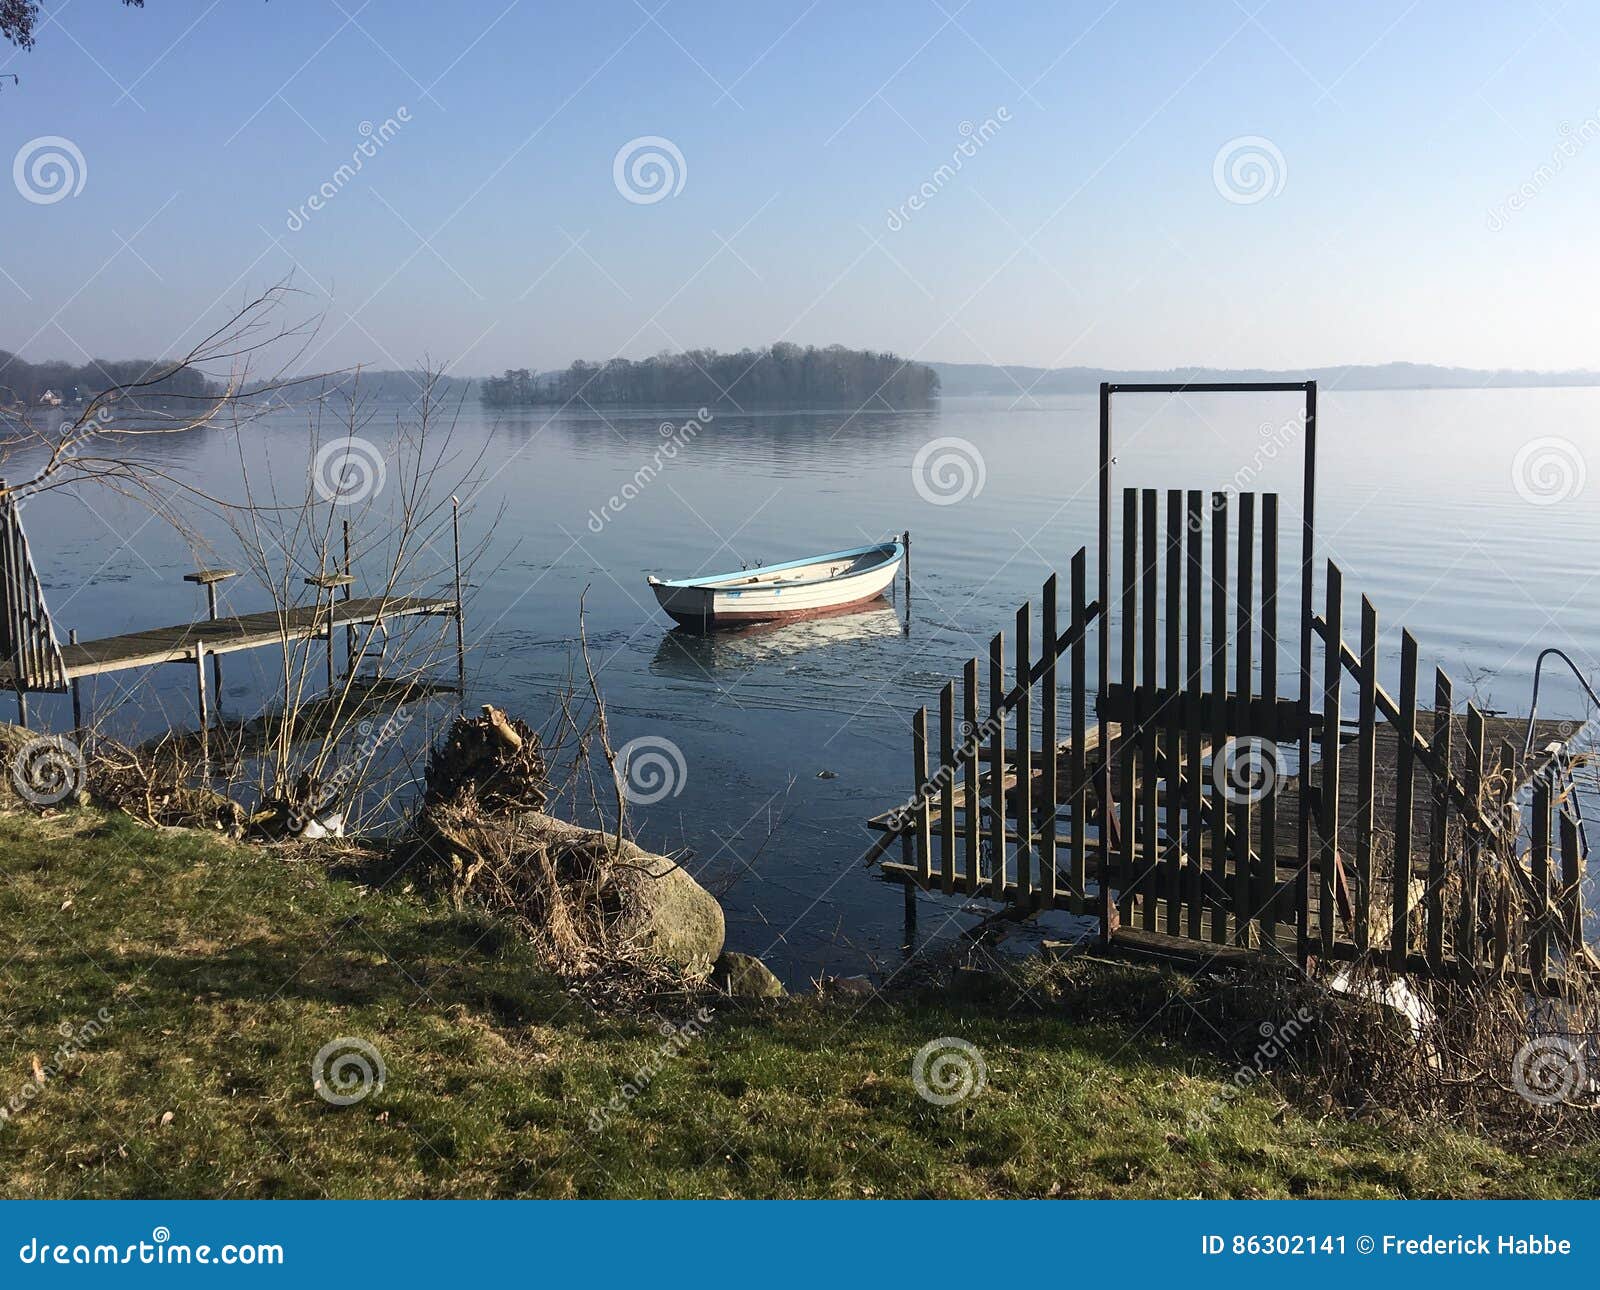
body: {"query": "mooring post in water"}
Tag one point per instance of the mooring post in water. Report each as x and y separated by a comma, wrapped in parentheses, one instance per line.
(905, 541)
(461, 631)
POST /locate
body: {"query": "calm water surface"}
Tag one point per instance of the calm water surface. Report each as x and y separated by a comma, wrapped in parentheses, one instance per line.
(792, 737)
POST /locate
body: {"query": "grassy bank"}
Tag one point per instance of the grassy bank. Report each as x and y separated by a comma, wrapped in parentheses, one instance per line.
(222, 970)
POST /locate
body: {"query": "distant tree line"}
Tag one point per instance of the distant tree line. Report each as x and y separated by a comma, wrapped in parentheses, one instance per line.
(27, 383)
(783, 375)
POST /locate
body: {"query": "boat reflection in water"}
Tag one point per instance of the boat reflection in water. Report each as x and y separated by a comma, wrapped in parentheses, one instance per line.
(699, 656)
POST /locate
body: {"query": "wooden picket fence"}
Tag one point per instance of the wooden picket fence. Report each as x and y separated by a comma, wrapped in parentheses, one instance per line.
(1195, 807)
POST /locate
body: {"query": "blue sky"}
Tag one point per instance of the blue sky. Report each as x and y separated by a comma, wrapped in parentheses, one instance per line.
(1088, 226)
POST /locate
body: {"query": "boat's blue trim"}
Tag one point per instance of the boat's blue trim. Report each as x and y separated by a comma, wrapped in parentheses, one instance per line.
(893, 551)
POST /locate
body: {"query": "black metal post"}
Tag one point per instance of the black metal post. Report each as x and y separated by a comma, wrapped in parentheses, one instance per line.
(1107, 908)
(905, 540)
(1307, 542)
(77, 696)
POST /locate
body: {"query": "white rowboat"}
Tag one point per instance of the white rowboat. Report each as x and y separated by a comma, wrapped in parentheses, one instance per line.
(804, 588)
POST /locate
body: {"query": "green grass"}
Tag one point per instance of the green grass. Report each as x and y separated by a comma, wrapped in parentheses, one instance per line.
(224, 969)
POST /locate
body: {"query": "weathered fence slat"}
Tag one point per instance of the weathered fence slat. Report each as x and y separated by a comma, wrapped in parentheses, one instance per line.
(997, 765)
(1123, 877)
(1077, 765)
(1049, 726)
(919, 772)
(1328, 790)
(971, 739)
(1077, 762)
(1433, 902)
(1023, 667)
(1219, 716)
(1149, 823)
(947, 787)
(1405, 780)
(1539, 863)
(1366, 765)
(1570, 901)
(1468, 938)
(1194, 589)
(1265, 897)
(1174, 724)
(1243, 907)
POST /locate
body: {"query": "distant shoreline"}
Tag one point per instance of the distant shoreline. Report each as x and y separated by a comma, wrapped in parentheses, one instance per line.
(1000, 379)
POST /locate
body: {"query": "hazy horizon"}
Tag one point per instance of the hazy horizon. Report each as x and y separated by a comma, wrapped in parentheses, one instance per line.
(1013, 184)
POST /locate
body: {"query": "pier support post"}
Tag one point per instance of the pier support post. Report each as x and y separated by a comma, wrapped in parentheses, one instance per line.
(209, 578)
(349, 632)
(330, 583)
(203, 708)
(216, 659)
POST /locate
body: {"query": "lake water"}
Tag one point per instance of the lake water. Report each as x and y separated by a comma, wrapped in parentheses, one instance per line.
(790, 738)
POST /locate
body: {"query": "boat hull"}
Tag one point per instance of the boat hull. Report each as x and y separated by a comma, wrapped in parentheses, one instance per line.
(709, 607)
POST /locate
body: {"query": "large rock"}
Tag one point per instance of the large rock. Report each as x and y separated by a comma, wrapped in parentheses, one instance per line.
(665, 912)
(650, 901)
(744, 976)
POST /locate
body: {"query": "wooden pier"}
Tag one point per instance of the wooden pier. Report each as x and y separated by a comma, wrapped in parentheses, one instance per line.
(32, 659)
(193, 642)
(1240, 780)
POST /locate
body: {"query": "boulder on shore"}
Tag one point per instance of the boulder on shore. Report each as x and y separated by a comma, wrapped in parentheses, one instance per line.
(744, 976)
(483, 834)
(580, 884)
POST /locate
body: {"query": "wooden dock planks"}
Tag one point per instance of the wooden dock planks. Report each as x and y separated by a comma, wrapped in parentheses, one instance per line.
(183, 642)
